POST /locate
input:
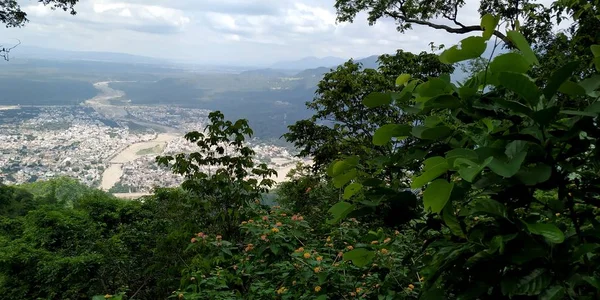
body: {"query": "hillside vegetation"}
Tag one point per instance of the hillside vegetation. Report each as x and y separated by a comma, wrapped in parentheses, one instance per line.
(421, 188)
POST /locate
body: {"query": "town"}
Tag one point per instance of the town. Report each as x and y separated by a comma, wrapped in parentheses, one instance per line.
(116, 155)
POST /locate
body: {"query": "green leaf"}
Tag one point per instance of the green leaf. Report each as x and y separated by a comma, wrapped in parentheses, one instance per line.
(340, 180)
(593, 281)
(534, 175)
(521, 85)
(453, 154)
(360, 257)
(436, 195)
(595, 50)
(426, 133)
(340, 166)
(489, 206)
(377, 99)
(519, 40)
(572, 89)
(471, 47)
(545, 116)
(533, 283)
(402, 79)
(452, 221)
(433, 87)
(352, 189)
(510, 62)
(468, 169)
(432, 168)
(507, 169)
(514, 106)
(339, 211)
(552, 233)
(488, 24)
(555, 292)
(558, 78)
(578, 113)
(443, 101)
(584, 249)
(385, 133)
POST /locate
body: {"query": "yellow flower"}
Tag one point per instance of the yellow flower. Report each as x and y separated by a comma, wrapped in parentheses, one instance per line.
(317, 288)
(422, 279)
(384, 251)
(319, 258)
(387, 240)
(244, 223)
(476, 218)
(411, 287)
(294, 282)
(180, 296)
(301, 249)
(558, 214)
(250, 221)
(374, 242)
(349, 247)
(107, 296)
(317, 269)
(306, 255)
(328, 239)
(281, 290)
(278, 224)
(358, 290)
(396, 232)
(275, 230)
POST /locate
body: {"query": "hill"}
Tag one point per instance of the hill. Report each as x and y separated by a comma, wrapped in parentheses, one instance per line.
(309, 63)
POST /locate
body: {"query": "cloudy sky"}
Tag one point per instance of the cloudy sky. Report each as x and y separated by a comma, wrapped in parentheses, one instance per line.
(220, 31)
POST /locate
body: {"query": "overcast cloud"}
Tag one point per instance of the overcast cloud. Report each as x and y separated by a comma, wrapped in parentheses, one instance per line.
(220, 31)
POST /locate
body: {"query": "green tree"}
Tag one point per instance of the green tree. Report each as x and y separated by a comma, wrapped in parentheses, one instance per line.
(510, 178)
(341, 124)
(222, 176)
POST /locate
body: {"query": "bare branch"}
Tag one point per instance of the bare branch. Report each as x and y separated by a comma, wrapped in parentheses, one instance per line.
(460, 30)
(4, 52)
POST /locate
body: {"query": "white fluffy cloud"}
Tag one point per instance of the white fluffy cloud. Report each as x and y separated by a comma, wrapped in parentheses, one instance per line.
(220, 31)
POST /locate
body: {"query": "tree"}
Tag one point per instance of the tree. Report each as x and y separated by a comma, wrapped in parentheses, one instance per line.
(341, 124)
(532, 17)
(510, 178)
(12, 16)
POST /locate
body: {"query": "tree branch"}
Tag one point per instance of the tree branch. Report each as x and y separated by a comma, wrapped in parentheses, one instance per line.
(460, 30)
(4, 52)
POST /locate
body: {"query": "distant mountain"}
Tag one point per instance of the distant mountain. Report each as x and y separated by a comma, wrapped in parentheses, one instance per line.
(265, 73)
(316, 72)
(369, 62)
(309, 63)
(24, 51)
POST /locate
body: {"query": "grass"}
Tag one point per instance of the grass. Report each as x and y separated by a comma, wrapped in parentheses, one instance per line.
(158, 149)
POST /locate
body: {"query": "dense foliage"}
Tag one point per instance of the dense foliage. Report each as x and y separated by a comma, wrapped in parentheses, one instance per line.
(423, 189)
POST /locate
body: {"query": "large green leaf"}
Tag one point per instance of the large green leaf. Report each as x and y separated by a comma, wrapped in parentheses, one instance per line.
(340, 166)
(555, 292)
(559, 77)
(339, 211)
(385, 133)
(552, 233)
(468, 169)
(536, 174)
(572, 89)
(514, 106)
(471, 47)
(590, 85)
(360, 257)
(545, 116)
(340, 180)
(352, 189)
(521, 85)
(433, 167)
(433, 87)
(377, 99)
(427, 133)
(443, 101)
(595, 50)
(453, 154)
(452, 221)
(402, 79)
(488, 206)
(519, 40)
(510, 62)
(507, 169)
(533, 283)
(437, 195)
(488, 24)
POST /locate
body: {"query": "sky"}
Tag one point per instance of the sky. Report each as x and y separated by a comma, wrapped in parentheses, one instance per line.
(221, 31)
